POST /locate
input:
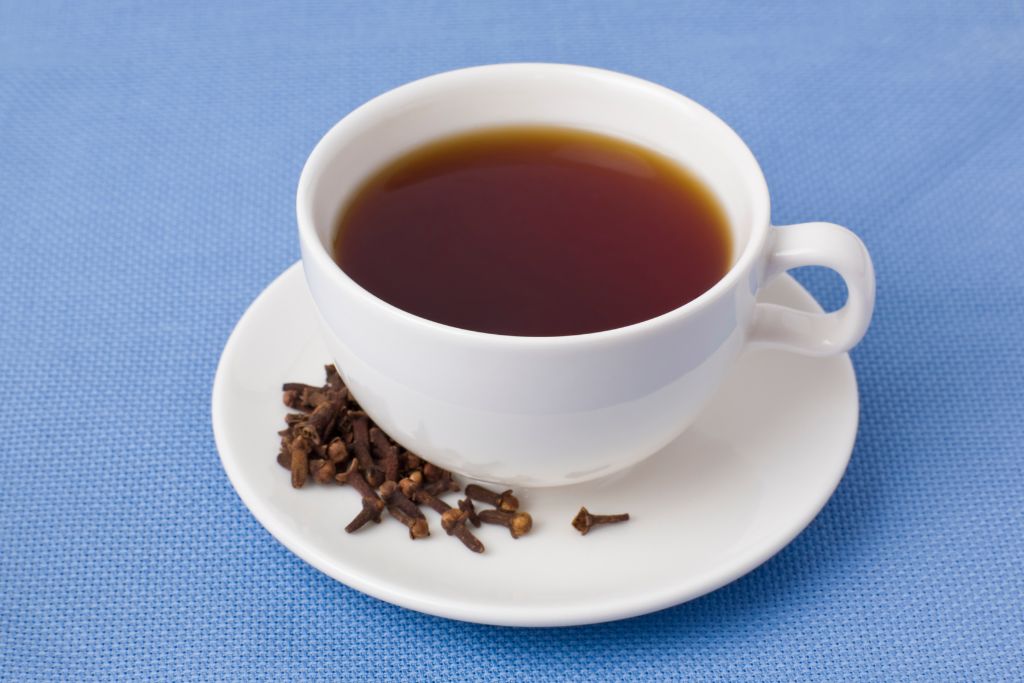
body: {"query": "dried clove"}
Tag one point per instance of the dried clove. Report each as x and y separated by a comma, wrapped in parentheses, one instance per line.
(284, 456)
(411, 462)
(387, 453)
(321, 421)
(299, 454)
(292, 422)
(337, 452)
(323, 471)
(453, 521)
(411, 484)
(292, 419)
(438, 480)
(584, 521)
(345, 475)
(330, 438)
(373, 506)
(404, 510)
(518, 523)
(296, 395)
(307, 398)
(361, 445)
(442, 485)
(466, 505)
(432, 472)
(504, 501)
(334, 380)
(432, 502)
(372, 509)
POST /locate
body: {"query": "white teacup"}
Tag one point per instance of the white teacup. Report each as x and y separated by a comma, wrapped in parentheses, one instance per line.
(546, 411)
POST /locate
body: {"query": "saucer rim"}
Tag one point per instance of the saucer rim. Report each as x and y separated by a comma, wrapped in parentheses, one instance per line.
(587, 613)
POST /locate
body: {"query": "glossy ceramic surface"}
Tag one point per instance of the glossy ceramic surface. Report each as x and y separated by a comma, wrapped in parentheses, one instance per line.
(753, 470)
(545, 411)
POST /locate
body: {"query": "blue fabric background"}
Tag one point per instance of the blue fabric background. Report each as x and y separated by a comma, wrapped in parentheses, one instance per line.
(148, 160)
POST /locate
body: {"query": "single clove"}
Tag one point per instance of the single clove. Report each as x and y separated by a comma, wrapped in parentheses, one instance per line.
(373, 506)
(307, 398)
(504, 501)
(518, 523)
(387, 453)
(284, 455)
(293, 398)
(334, 380)
(372, 509)
(404, 510)
(584, 521)
(453, 521)
(361, 446)
(299, 454)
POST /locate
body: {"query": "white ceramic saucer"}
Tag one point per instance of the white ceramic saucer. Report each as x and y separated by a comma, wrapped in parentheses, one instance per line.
(739, 485)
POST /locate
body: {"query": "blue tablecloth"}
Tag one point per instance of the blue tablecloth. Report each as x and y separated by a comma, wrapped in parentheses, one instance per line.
(148, 160)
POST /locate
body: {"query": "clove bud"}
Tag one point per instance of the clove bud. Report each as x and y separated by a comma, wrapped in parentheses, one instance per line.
(503, 501)
(300, 449)
(584, 521)
(453, 521)
(518, 523)
(404, 510)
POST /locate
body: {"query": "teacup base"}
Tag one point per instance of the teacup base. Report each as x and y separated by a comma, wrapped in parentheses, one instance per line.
(741, 483)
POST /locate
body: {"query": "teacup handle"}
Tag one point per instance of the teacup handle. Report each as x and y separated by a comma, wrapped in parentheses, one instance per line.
(817, 334)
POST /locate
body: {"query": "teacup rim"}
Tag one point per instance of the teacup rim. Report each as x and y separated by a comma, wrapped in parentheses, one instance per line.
(318, 158)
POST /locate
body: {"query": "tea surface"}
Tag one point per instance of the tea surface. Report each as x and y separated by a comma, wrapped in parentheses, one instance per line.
(534, 231)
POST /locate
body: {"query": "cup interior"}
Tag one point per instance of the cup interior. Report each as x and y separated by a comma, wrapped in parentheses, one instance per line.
(543, 94)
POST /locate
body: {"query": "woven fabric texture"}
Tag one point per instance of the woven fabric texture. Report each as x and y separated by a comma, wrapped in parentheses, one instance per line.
(149, 154)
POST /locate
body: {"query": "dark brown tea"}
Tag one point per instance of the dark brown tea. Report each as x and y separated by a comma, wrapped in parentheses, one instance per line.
(534, 231)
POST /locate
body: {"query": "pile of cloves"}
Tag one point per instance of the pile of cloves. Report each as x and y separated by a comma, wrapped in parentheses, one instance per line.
(330, 440)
